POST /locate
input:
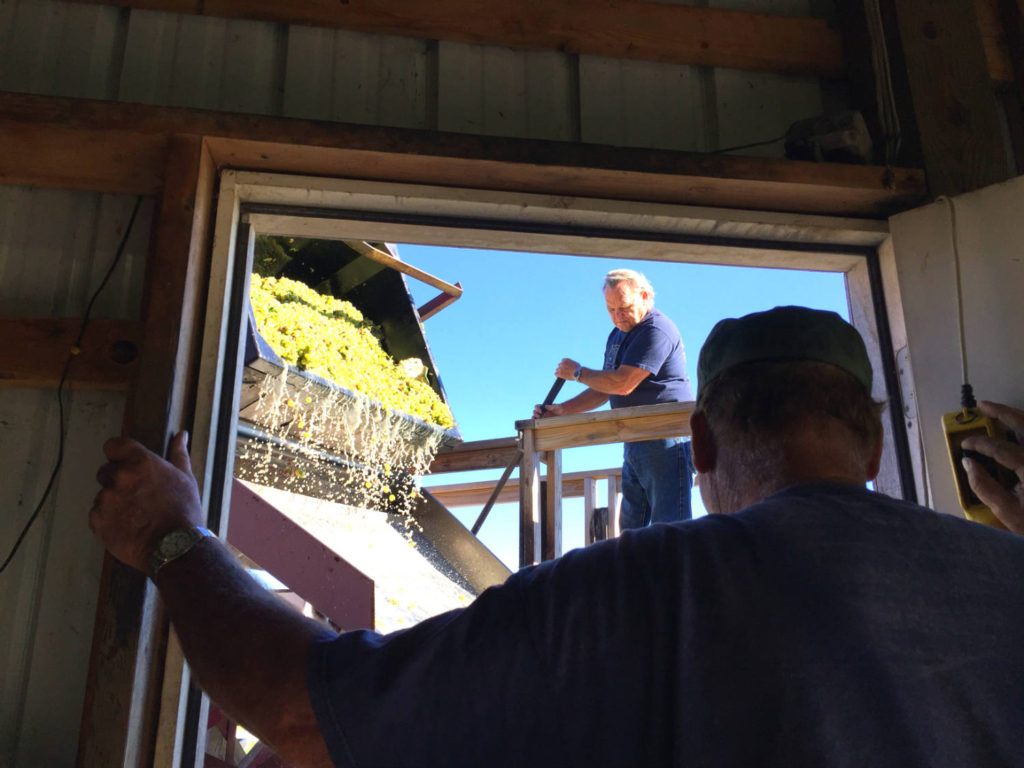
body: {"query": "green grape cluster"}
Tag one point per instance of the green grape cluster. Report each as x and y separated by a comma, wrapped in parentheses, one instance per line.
(331, 338)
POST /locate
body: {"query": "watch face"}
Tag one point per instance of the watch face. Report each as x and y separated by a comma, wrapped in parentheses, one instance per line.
(175, 543)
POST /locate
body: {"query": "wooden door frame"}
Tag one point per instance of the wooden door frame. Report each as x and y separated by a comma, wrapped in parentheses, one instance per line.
(136, 671)
(137, 682)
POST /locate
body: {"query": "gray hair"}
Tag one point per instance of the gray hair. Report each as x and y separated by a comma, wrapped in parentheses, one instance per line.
(631, 276)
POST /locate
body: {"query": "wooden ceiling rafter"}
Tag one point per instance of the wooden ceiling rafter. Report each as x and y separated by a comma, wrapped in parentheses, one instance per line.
(127, 146)
(626, 29)
(36, 349)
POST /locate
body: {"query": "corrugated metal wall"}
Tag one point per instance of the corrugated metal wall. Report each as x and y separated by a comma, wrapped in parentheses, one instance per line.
(68, 49)
(54, 245)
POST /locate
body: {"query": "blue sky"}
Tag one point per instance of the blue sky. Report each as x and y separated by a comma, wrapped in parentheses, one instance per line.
(496, 348)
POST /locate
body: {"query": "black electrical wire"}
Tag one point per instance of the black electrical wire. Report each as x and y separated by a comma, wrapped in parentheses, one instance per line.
(75, 350)
(776, 140)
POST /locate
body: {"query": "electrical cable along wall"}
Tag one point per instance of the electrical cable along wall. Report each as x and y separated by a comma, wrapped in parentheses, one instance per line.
(55, 248)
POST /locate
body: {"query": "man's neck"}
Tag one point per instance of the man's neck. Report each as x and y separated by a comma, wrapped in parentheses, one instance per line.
(802, 458)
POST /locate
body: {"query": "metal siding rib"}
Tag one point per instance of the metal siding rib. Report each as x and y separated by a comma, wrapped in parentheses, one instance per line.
(208, 63)
(758, 106)
(58, 48)
(505, 92)
(641, 104)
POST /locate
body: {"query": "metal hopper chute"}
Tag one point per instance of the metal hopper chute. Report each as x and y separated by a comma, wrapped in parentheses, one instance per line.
(299, 431)
(307, 409)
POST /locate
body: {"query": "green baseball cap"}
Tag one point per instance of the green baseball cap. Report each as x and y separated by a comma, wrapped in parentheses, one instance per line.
(784, 333)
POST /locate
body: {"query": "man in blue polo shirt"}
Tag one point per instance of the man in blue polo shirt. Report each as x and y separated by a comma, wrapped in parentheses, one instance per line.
(644, 364)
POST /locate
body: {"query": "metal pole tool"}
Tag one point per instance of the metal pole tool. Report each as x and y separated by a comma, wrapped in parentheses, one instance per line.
(552, 394)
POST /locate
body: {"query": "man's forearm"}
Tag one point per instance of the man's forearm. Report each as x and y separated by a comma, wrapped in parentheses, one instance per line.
(246, 647)
(620, 381)
(587, 400)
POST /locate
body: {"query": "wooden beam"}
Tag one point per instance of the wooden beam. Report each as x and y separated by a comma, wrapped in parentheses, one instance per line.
(954, 100)
(455, 495)
(1011, 13)
(614, 505)
(564, 168)
(860, 66)
(529, 502)
(430, 157)
(617, 425)
(100, 158)
(628, 29)
(477, 454)
(35, 350)
(321, 577)
(495, 494)
(551, 518)
(381, 257)
(995, 38)
(436, 304)
(589, 510)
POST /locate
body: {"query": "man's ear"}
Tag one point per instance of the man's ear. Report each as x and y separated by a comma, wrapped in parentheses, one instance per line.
(875, 462)
(702, 444)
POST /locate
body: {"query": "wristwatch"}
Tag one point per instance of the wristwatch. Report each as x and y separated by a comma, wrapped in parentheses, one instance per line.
(173, 545)
(576, 374)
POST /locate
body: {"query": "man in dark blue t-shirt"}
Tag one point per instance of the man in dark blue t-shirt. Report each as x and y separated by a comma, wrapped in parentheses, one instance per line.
(644, 364)
(807, 621)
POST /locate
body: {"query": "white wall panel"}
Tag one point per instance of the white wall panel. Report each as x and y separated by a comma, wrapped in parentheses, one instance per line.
(55, 247)
(990, 237)
(58, 48)
(359, 78)
(505, 92)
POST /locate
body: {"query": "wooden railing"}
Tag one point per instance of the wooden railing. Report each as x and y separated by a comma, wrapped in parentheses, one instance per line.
(598, 522)
(541, 441)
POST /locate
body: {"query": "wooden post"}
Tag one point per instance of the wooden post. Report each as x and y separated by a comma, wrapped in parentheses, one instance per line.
(1011, 14)
(589, 505)
(529, 501)
(954, 99)
(123, 689)
(862, 65)
(552, 519)
(614, 505)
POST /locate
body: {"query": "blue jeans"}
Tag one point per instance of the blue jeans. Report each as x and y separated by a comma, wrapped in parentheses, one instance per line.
(656, 479)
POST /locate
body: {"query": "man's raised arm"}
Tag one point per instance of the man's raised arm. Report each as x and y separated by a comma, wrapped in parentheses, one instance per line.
(246, 647)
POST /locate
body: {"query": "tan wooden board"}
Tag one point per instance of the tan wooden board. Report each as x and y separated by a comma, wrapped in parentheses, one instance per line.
(42, 154)
(478, 454)
(631, 29)
(954, 100)
(126, 143)
(132, 679)
(476, 493)
(643, 422)
(35, 350)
